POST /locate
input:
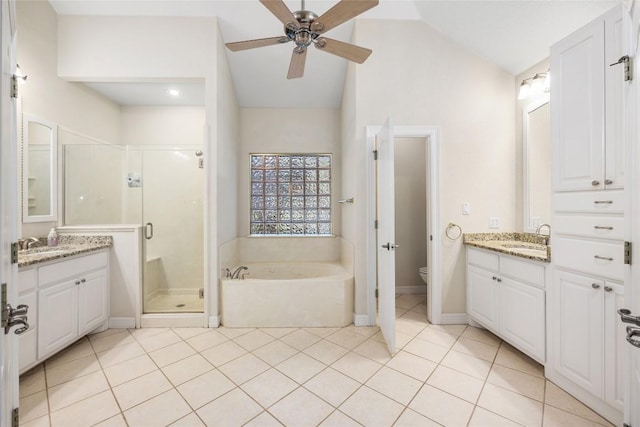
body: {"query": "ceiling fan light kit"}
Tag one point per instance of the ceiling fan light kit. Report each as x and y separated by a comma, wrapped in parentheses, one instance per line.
(305, 28)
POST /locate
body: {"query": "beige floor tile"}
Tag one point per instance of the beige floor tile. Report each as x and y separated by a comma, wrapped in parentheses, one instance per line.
(77, 350)
(32, 381)
(278, 332)
(339, 419)
(33, 406)
(233, 333)
(300, 367)
(141, 389)
(159, 341)
(409, 301)
(511, 405)
(426, 350)
(321, 332)
(87, 412)
(232, 409)
(559, 398)
(186, 333)
(75, 390)
(374, 350)
(442, 407)
(186, 369)
(416, 317)
(456, 383)
(269, 387)
(483, 418)
(207, 340)
(517, 381)
(402, 340)
(358, 367)
(143, 333)
(70, 370)
(332, 386)
(410, 418)
(456, 330)
(398, 386)
(130, 369)
(475, 348)
(481, 335)
(466, 364)
(117, 421)
(301, 408)
(105, 333)
(554, 417)
(161, 410)
(244, 368)
(108, 342)
(205, 388)
(325, 351)
(191, 420)
(38, 422)
(265, 419)
(275, 352)
(300, 339)
(120, 354)
(438, 336)
(408, 326)
(514, 359)
(253, 340)
(367, 331)
(371, 408)
(412, 365)
(172, 353)
(223, 353)
(347, 339)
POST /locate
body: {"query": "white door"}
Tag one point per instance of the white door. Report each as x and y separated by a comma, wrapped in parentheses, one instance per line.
(386, 236)
(8, 209)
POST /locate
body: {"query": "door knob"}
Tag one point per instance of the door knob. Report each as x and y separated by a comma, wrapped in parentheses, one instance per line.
(633, 332)
(626, 317)
(390, 246)
(16, 316)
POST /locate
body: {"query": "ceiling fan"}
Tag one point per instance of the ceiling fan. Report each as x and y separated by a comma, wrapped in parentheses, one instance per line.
(305, 28)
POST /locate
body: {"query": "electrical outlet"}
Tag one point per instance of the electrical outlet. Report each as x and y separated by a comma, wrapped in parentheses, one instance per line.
(466, 208)
(494, 222)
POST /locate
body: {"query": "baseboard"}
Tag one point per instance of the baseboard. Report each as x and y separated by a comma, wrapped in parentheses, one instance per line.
(454, 319)
(172, 320)
(122, 323)
(214, 321)
(361, 320)
(411, 289)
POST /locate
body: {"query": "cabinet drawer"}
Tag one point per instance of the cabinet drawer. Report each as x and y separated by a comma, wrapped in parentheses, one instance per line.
(54, 273)
(27, 280)
(522, 270)
(604, 226)
(611, 201)
(599, 258)
(483, 259)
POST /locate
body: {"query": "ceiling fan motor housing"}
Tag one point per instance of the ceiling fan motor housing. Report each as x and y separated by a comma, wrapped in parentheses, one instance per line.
(303, 32)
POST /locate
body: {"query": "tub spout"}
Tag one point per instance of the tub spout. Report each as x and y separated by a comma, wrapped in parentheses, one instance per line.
(237, 271)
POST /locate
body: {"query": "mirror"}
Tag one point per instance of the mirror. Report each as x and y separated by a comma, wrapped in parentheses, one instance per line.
(536, 150)
(39, 172)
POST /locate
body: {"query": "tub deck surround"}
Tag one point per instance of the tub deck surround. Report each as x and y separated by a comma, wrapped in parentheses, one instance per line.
(68, 245)
(523, 245)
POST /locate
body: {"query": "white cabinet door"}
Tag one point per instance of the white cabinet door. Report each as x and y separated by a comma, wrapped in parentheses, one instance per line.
(578, 332)
(482, 296)
(522, 317)
(92, 301)
(615, 333)
(577, 115)
(614, 141)
(57, 317)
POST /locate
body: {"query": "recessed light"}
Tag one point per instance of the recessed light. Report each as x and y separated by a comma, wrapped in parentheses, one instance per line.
(174, 92)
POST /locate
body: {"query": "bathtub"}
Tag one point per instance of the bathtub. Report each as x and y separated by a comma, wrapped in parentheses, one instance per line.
(289, 294)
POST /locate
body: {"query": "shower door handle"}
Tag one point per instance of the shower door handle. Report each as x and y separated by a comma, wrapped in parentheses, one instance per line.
(148, 231)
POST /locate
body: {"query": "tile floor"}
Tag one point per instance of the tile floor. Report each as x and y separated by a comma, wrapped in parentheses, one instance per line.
(451, 375)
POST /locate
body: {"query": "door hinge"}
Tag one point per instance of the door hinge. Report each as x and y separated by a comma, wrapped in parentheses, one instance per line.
(376, 292)
(375, 224)
(15, 417)
(627, 253)
(14, 252)
(14, 87)
(4, 319)
(626, 60)
(201, 293)
(375, 154)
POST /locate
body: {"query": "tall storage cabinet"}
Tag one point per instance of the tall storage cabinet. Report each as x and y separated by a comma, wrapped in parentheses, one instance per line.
(586, 339)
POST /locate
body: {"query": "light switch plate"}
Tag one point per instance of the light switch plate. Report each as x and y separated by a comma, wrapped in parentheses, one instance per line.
(494, 222)
(466, 208)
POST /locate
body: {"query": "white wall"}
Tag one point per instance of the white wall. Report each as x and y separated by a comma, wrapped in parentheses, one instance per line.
(162, 125)
(432, 81)
(288, 131)
(410, 168)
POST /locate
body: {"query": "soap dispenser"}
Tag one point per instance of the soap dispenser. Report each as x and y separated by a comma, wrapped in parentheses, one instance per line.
(52, 238)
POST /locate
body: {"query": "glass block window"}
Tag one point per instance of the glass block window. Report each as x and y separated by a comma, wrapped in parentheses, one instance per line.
(290, 194)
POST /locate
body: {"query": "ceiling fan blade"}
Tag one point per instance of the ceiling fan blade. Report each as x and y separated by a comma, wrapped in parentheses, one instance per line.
(251, 44)
(281, 11)
(345, 50)
(341, 12)
(296, 67)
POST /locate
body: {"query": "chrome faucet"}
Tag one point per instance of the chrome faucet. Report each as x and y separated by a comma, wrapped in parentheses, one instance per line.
(28, 243)
(543, 225)
(237, 271)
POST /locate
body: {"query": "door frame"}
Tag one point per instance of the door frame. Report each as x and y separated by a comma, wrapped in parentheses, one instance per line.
(434, 287)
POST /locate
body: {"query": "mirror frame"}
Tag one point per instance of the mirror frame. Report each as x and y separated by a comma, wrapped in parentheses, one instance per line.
(53, 187)
(526, 110)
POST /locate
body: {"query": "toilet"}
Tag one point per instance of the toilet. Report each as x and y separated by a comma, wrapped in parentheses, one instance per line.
(424, 273)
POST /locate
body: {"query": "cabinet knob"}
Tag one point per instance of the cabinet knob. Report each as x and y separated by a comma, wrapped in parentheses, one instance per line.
(494, 278)
(77, 282)
(499, 280)
(595, 183)
(608, 289)
(608, 182)
(595, 286)
(83, 280)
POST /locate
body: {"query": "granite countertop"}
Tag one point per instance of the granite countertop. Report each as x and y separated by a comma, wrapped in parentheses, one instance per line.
(68, 245)
(523, 245)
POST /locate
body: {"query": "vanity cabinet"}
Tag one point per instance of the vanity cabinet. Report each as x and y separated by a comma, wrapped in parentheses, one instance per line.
(587, 109)
(28, 340)
(506, 295)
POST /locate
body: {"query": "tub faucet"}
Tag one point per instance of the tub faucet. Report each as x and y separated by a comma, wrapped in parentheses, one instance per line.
(237, 271)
